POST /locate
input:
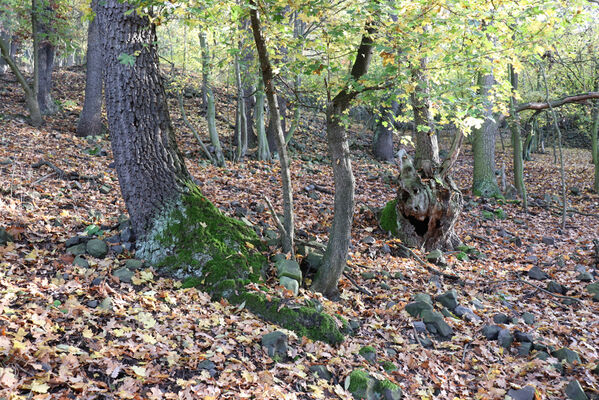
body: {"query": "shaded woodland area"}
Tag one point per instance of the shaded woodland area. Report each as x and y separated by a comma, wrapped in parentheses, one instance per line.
(266, 199)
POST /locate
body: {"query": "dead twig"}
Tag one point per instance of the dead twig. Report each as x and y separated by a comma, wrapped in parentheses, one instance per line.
(43, 178)
(73, 176)
(360, 288)
(275, 217)
(320, 246)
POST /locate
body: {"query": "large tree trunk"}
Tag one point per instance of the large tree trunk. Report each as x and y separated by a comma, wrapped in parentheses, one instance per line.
(428, 202)
(90, 121)
(335, 258)
(483, 145)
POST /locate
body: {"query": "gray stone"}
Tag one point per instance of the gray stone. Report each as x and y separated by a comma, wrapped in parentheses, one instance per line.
(574, 391)
(478, 304)
(290, 269)
(80, 262)
(505, 338)
(490, 332)
(105, 189)
(435, 320)
(593, 288)
(542, 355)
(501, 318)
(312, 262)
(580, 268)
(321, 371)
(384, 286)
(549, 241)
(423, 297)
(524, 349)
(529, 319)
(537, 274)
(93, 303)
(532, 259)
(522, 337)
(209, 366)
(96, 281)
(361, 385)
(5, 237)
(289, 284)
(113, 239)
(128, 246)
(368, 240)
(134, 264)
(566, 354)
(277, 257)
(124, 274)
(426, 342)
(555, 287)
(435, 256)
(448, 299)
(585, 277)
(73, 241)
(416, 307)
(275, 344)
(526, 393)
(127, 235)
(106, 304)
(369, 354)
(368, 275)
(97, 248)
(419, 326)
(391, 394)
(117, 249)
(77, 250)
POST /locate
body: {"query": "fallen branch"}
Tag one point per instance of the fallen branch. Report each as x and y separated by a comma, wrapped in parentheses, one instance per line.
(572, 210)
(43, 178)
(322, 189)
(559, 296)
(73, 176)
(360, 288)
(321, 246)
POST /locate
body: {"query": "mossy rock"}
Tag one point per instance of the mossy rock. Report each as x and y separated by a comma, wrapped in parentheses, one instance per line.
(197, 243)
(388, 219)
(360, 384)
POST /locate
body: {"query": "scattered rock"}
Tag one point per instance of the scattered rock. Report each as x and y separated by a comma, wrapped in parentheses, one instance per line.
(505, 338)
(117, 249)
(77, 250)
(368, 275)
(134, 264)
(113, 239)
(419, 326)
(73, 241)
(580, 268)
(290, 284)
(290, 269)
(96, 281)
(275, 344)
(542, 355)
(360, 384)
(128, 246)
(368, 240)
(522, 337)
(555, 287)
(537, 274)
(593, 288)
(448, 299)
(529, 318)
(80, 262)
(549, 241)
(466, 314)
(436, 257)
(321, 371)
(106, 304)
(369, 354)
(490, 332)
(127, 235)
(566, 354)
(97, 248)
(423, 297)
(524, 349)
(209, 366)
(93, 303)
(124, 274)
(311, 262)
(501, 318)
(416, 308)
(436, 324)
(478, 304)
(526, 393)
(574, 391)
(585, 277)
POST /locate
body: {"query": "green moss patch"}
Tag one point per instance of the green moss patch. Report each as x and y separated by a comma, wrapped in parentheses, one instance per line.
(388, 219)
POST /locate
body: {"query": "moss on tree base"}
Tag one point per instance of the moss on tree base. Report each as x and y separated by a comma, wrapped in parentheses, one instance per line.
(196, 242)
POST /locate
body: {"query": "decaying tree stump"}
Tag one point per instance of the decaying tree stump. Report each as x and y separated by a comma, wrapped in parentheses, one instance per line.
(425, 211)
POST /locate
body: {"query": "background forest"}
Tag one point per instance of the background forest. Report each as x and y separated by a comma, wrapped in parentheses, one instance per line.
(286, 199)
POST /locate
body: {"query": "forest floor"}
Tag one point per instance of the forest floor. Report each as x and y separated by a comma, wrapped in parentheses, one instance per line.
(61, 338)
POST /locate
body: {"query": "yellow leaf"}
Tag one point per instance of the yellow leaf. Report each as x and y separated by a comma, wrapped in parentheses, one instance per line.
(32, 256)
(39, 387)
(87, 333)
(249, 245)
(146, 319)
(139, 371)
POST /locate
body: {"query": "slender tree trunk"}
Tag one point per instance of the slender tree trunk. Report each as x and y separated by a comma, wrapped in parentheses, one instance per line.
(205, 68)
(90, 120)
(211, 120)
(30, 98)
(242, 125)
(263, 151)
(45, 60)
(483, 145)
(517, 142)
(335, 258)
(595, 145)
(382, 143)
(267, 76)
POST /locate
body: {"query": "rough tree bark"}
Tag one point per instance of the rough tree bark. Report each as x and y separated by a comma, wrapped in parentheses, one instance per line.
(483, 145)
(45, 57)
(30, 98)
(90, 120)
(595, 145)
(428, 202)
(275, 121)
(335, 258)
(382, 143)
(514, 123)
(263, 150)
